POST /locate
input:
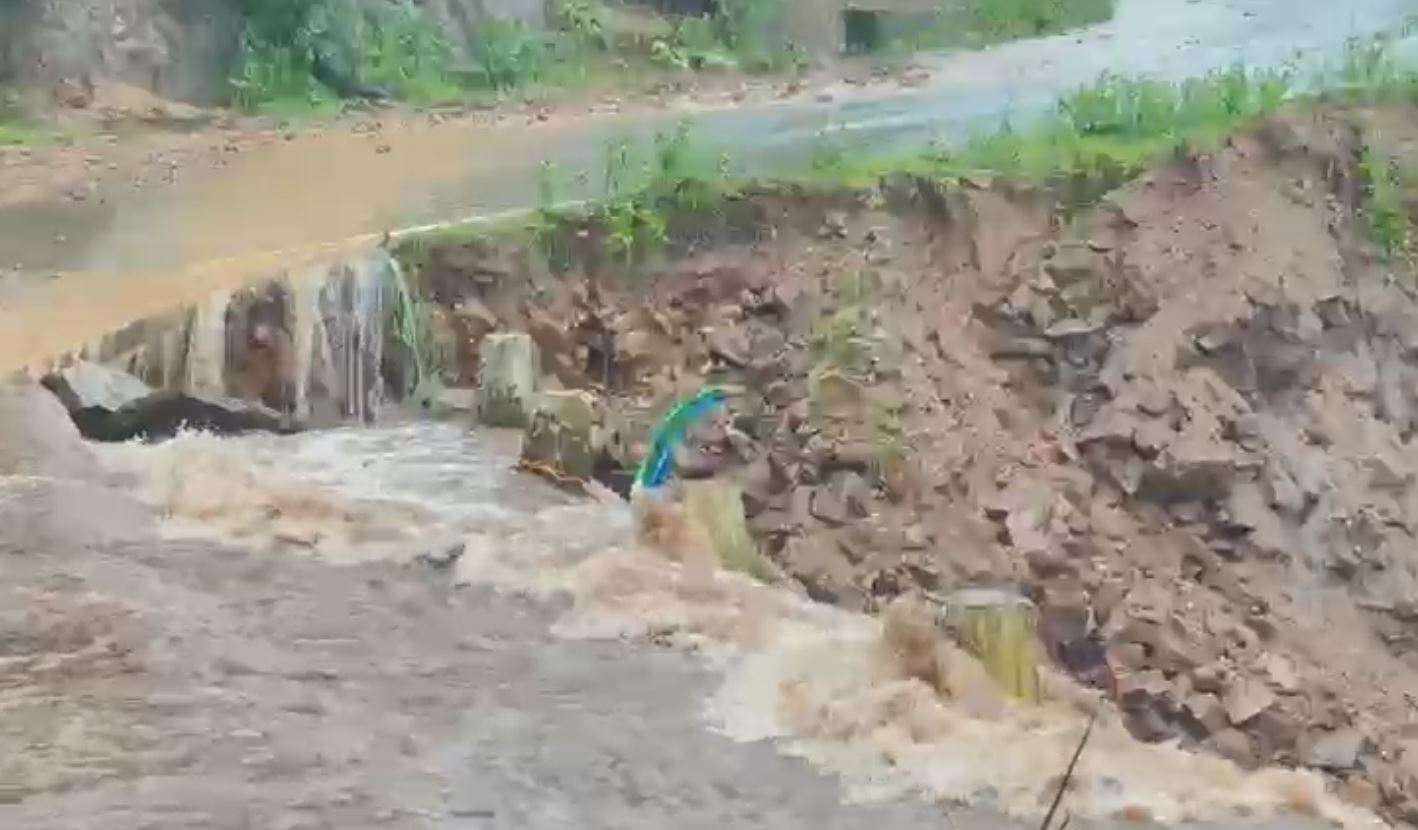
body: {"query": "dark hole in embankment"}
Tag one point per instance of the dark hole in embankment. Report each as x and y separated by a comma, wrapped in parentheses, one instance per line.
(861, 31)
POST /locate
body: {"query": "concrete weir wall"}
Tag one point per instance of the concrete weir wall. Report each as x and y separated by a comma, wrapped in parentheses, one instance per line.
(314, 345)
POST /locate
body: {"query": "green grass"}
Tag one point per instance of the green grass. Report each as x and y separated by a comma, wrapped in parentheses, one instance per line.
(1116, 127)
(679, 177)
(16, 128)
(979, 23)
(395, 50)
(643, 189)
(1113, 128)
(276, 80)
(17, 133)
(1385, 211)
(398, 51)
(994, 21)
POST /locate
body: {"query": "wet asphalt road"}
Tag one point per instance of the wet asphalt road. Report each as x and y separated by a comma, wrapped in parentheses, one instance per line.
(288, 196)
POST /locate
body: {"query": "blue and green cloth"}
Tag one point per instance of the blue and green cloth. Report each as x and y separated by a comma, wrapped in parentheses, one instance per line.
(658, 465)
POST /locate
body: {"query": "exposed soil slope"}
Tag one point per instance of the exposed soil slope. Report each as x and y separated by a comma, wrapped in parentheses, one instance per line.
(1182, 420)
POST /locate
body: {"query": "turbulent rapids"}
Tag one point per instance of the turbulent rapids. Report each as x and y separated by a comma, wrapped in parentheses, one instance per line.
(821, 682)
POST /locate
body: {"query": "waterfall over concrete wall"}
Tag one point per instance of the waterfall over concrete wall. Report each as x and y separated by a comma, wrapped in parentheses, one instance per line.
(309, 344)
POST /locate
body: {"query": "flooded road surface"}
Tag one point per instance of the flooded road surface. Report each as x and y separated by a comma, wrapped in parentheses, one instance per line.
(387, 628)
(127, 251)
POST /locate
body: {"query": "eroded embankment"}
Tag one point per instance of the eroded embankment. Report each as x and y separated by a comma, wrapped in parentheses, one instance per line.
(1179, 420)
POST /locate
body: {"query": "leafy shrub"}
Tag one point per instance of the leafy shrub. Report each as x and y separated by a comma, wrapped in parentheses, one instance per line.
(403, 53)
(584, 21)
(506, 55)
(999, 20)
(1385, 211)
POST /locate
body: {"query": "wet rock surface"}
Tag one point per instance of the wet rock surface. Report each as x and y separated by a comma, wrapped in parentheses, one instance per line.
(109, 405)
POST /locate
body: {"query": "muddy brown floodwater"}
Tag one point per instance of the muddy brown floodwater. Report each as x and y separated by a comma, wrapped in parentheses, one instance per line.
(162, 683)
(252, 632)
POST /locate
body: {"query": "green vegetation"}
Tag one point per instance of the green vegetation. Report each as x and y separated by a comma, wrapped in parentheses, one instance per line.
(980, 23)
(1108, 131)
(694, 43)
(1385, 211)
(310, 56)
(993, 21)
(15, 125)
(425, 360)
(642, 195)
(752, 32)
(744, 34)
(1103, 134)
(677, 179)
(15, 133)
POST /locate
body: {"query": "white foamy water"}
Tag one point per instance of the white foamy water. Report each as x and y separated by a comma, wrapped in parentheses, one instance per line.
(345, 495)
(815, 679)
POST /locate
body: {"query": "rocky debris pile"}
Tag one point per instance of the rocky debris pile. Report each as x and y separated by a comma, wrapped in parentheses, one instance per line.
(1232, 382)
(1182, 428)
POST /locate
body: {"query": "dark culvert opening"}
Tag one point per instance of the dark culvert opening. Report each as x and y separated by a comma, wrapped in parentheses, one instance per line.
(861, 31)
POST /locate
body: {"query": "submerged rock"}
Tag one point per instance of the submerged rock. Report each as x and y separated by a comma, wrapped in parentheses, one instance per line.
(560, 433)
(85, 385)
(109, 405)
(164, 414)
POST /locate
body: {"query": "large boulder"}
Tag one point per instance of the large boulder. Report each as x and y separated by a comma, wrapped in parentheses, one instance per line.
(509, 366)
(561, 433)
(164, 414)
(109, 405)
(84, 385)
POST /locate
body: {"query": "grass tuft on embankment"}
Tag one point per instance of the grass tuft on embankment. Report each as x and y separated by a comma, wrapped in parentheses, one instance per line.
(1118, 126)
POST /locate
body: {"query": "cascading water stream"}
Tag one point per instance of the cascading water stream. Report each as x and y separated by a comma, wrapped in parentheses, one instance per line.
(313, 344)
